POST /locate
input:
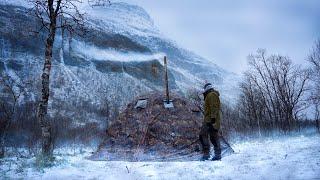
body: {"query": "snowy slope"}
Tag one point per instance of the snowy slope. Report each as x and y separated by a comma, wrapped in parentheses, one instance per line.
(281, 158)
(133, 22)
(188, 68)
(119, 59)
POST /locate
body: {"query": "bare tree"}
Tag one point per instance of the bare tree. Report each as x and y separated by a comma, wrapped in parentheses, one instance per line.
(252, 104)
(314, 59)
(274, 91)
(53, 15)
(11, 92)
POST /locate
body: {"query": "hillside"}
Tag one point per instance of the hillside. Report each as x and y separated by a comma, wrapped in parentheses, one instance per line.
(118, 59)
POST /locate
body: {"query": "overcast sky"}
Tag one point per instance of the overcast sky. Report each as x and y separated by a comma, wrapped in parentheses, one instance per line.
(226, 31)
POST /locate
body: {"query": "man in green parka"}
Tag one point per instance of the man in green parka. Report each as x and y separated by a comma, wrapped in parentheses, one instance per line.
(211, 124)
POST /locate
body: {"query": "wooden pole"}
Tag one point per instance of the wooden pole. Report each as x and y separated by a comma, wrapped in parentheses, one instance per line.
(166, 79)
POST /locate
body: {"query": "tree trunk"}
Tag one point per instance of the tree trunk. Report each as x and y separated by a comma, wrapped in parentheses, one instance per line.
(317, 115)
(2, 148)
(3, 135)
(46, 129)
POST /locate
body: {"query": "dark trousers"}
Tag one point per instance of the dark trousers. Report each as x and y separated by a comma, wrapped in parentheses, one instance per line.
(208, 132)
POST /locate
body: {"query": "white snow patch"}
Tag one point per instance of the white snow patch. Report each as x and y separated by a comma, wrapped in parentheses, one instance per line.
(122, 17)
(281, 158)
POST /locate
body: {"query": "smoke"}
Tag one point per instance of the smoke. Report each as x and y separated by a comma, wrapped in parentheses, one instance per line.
(96, 53)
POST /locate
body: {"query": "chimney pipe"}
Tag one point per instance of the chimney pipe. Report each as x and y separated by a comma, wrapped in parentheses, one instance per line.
(166, 80)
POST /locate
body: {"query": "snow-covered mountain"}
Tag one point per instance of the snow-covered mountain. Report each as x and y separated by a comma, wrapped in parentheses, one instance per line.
(119, 58)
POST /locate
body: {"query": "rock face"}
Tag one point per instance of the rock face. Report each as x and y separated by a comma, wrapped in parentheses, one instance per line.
(153, 132)
(122, 44)
(95, 76)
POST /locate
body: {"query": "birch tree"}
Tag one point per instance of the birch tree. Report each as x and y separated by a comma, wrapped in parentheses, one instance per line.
(53, 15)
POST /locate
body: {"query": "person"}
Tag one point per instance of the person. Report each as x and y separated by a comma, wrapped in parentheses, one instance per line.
(211, 124)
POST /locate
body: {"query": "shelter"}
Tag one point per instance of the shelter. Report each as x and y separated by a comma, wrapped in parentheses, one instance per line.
(154, 133)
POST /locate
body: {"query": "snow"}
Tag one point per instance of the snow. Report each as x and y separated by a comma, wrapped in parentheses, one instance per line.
(121, 17)
(295, 157)
(189, 70)
(15, 2)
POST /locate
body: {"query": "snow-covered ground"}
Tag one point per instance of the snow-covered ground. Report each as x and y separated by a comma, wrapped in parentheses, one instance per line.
(281, 158)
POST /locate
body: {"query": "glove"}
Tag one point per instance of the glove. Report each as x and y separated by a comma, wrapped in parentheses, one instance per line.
(211, 125)
(213, 120)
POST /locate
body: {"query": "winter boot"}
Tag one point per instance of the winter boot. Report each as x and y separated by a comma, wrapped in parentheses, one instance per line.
(206, 153)
(216, 158)
(205, 158)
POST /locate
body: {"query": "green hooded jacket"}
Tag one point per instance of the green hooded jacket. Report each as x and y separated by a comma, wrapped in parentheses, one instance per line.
(212, 108)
